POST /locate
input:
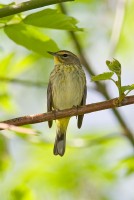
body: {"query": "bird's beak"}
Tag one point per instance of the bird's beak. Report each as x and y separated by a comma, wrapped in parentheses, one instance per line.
(52, 53)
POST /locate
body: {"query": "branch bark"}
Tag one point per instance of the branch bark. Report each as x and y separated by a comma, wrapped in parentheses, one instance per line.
(29, 5)
(32, 119)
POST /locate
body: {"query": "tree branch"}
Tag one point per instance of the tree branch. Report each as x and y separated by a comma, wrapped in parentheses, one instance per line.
(29, 5)
(32, 119)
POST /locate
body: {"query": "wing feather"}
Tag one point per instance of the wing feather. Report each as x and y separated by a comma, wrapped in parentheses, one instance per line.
(83, 102)
(49, 102)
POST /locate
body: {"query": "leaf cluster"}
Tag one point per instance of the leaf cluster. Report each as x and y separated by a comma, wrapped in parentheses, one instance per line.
(25, 30)
(115, 68)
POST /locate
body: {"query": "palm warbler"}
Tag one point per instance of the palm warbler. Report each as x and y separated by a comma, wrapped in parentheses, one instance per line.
(66, 88)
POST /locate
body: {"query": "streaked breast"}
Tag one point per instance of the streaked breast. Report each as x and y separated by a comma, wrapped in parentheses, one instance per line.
(67, 86)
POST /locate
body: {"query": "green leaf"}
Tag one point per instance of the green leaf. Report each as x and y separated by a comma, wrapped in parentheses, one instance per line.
(31, 38)
(4, 20)
(102, 77)
(5, 63)
(114, 66)
(127, 87)
(50, 18)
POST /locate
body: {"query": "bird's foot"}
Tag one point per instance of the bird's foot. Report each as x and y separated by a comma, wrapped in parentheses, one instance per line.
(76, 110)
(54, 112)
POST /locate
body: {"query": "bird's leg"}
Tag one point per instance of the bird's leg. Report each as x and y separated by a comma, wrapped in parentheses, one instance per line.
(76, 110)
(54, 112)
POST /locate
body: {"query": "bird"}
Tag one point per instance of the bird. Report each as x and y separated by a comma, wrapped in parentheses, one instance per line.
(66, 89)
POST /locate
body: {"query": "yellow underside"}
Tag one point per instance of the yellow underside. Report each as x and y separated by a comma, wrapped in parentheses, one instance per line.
(62, 124)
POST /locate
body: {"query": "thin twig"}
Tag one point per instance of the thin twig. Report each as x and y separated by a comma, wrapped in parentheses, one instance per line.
(29, 131)
(28, 5)
(23, 82)
(38, 84)
(32, 119)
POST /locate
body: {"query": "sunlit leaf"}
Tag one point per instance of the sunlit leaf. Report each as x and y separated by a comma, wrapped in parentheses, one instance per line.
(30, 38)
(5, 63)
(4, 20)
(102, 77)
(50, 18)
(127, 87)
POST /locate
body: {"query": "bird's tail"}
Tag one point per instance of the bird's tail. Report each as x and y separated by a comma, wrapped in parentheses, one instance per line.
(60, 140)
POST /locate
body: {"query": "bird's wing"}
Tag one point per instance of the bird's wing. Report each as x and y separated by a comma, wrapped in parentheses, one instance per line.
(83, 102)
(49, 102)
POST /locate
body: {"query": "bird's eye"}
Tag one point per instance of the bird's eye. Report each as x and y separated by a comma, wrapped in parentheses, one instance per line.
(65, 55)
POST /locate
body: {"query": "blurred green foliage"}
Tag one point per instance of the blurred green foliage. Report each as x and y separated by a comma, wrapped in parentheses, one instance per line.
(95, 165)
(81, 172)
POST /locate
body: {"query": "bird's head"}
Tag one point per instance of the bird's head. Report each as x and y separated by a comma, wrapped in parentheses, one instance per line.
(64, 57)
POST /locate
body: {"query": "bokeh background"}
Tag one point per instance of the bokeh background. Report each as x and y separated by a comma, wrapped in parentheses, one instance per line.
(99, 161)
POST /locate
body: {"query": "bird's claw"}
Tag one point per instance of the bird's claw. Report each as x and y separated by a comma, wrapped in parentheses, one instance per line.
(76, 110)
(54, 112)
